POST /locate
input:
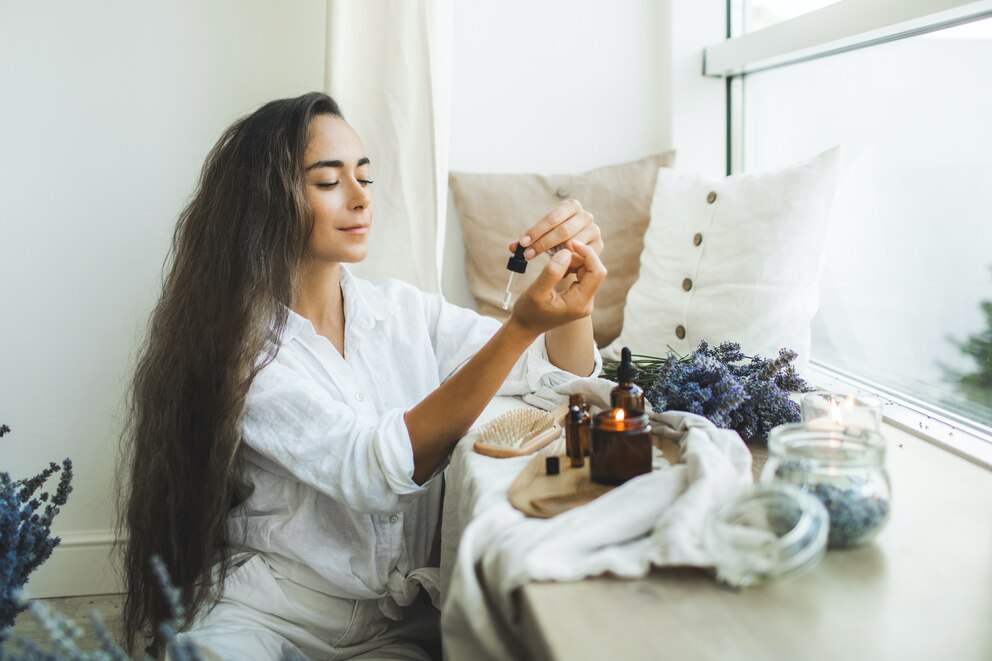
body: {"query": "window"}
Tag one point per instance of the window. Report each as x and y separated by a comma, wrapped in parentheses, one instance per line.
(759, 14)
(906, 302)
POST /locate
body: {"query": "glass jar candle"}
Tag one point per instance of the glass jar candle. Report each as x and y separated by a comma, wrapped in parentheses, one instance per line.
(831, 409)
(620, 448)
(844, 468)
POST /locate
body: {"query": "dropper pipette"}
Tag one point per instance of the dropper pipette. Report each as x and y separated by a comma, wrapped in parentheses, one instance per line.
(517, 264)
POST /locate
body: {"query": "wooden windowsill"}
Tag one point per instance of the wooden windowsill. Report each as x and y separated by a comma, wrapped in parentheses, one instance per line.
(921, 590)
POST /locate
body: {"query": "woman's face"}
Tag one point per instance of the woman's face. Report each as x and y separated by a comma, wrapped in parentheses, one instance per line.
(338, 175)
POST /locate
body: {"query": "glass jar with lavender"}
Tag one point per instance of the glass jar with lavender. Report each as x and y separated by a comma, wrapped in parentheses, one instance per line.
(843, 467)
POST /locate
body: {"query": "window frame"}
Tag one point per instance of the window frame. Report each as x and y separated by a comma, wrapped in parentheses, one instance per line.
(838, 28)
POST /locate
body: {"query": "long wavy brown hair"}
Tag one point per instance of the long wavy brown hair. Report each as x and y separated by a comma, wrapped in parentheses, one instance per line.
(231, 274)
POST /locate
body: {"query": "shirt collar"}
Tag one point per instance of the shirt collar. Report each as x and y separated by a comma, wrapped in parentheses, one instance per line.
(363, 307)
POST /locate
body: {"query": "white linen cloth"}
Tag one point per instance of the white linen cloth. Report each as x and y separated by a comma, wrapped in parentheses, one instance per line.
(489, 549)
(333, 505)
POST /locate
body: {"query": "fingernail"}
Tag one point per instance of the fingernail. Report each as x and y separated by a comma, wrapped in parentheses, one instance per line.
(562, 257)
(525, 240)
(529, 253)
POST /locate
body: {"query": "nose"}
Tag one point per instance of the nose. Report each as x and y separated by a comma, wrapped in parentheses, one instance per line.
(361, 196)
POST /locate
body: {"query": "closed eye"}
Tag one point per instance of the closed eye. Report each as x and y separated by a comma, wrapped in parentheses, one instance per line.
(332, 184)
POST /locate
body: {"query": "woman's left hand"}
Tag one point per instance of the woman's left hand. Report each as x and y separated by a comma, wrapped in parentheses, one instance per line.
(560, 228)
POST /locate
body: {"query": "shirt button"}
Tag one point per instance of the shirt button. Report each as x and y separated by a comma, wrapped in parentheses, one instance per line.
(394, 519)
(696, 240)
(359, 396)
(680, 332)
(562, 193)
(687, 284)
(711, 198)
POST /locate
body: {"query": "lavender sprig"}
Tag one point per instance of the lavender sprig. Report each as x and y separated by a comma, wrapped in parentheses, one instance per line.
(168, 629)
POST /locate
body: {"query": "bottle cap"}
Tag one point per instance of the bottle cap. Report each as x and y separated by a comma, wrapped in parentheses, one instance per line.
(517, 263)
(626, 373)
(552, 465)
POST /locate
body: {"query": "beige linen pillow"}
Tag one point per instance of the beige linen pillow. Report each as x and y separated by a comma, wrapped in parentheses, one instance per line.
(494, 209)
(734, 259)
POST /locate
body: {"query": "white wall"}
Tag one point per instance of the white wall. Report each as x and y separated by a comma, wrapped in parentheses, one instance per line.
(109, 108)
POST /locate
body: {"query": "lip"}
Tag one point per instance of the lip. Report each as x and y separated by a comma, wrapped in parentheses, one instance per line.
(355, 229)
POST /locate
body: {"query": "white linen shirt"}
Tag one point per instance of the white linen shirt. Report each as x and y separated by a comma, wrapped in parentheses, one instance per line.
(334, 505)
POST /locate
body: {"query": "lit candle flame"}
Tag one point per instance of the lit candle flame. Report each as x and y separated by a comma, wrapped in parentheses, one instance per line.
(835, 412)
(619, 414)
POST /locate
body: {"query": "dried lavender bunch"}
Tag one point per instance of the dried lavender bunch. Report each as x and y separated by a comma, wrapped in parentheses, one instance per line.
(768, 384)
(700, 384)
(747, 394)
(63, 633)
(25, 541)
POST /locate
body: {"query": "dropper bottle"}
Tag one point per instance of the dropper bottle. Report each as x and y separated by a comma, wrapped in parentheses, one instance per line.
(578, 430)
(627, 395)
(517, 264)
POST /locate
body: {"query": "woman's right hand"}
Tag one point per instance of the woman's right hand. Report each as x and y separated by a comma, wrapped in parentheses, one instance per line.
(541, 308)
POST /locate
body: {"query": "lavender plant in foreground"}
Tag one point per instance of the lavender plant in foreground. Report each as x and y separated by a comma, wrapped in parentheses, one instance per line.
(25, 529)
(63, 634)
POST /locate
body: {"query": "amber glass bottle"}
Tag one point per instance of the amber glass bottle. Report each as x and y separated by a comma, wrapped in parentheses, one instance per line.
(627, 395)
(584, 419)
(577, 431)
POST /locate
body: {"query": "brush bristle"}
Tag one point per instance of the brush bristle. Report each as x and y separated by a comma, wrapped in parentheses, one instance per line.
(515, 428)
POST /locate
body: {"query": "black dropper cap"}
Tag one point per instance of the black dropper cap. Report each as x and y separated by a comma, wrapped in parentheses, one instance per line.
(626, 373)
(517, 263)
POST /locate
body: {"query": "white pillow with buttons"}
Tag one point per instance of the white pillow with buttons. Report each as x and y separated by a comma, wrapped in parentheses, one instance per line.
(735, 259)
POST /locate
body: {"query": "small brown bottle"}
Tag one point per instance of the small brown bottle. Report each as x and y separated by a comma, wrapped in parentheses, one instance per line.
(627, 395)
(577, 432)
(578, 400)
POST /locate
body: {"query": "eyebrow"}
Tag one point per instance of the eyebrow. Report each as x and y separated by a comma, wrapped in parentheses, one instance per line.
(336, 164)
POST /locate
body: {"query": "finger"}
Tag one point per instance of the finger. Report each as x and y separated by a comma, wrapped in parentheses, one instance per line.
(560, 234)
(592, 273)
(562, 212)
(553, 272)
(590, 236)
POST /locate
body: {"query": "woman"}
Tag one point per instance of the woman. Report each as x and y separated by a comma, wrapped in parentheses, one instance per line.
(289, 421)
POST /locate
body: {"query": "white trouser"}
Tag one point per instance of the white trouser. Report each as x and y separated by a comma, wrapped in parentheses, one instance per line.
(263, 616)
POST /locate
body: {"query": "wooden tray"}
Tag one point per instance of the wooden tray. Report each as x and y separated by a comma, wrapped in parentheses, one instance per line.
(539, 495)
(542, 496)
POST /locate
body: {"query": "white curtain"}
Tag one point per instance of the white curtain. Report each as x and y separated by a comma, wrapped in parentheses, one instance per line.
(389, 68)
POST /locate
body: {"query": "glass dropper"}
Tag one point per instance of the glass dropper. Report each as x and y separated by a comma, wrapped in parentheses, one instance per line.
(517, 264)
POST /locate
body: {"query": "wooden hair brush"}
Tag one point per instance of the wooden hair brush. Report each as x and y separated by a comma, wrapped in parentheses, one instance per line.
(519, 432)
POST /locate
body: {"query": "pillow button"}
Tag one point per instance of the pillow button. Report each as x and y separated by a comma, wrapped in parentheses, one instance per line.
(696, 240)
(680, 332)
(563, 193)
(687, 285)
(711, 198)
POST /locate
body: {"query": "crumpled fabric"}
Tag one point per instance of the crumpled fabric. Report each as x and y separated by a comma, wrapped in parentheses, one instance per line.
(652, 520)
